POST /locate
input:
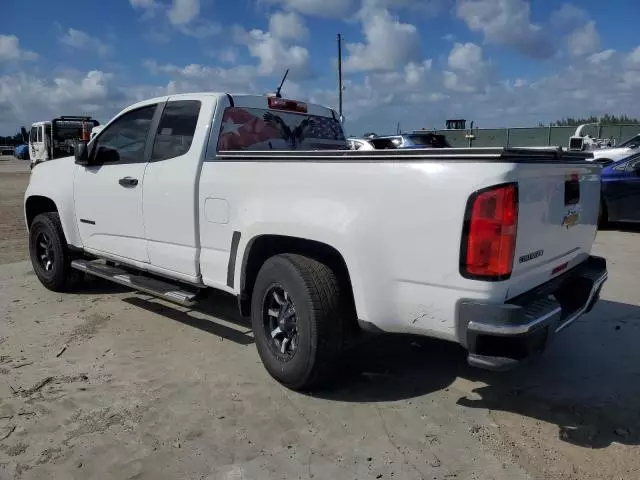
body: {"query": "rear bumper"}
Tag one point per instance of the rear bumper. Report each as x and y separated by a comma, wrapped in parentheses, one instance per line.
(499, 337)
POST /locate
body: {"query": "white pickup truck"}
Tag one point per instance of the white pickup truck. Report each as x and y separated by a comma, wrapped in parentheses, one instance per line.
(257, 196)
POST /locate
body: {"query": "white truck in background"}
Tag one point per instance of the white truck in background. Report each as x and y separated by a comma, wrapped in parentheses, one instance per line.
(57, 138)
(258, 197)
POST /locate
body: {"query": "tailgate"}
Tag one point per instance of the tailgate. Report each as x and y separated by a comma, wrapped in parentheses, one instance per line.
(557, 220)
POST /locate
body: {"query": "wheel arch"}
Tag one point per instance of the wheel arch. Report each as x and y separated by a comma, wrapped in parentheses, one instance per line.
(262, 247)
(37, 204)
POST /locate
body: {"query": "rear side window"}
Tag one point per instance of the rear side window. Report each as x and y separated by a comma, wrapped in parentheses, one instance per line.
(176, 130)
(261, 129)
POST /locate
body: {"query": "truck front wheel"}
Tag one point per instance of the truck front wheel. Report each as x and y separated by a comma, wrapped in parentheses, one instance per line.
(297, 317)
(50, 254)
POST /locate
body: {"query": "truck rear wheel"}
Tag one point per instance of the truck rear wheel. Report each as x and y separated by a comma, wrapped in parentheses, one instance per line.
(50, 254)
(297, 316)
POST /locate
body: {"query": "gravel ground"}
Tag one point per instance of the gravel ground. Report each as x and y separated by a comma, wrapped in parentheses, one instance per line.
(107, 383)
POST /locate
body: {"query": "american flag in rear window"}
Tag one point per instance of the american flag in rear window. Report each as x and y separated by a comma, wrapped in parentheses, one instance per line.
(261, 129)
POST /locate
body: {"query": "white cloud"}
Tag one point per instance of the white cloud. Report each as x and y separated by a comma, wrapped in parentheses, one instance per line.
(584, 40)
(25, 98)
(468, 71)
(83, 41)
(601, 57)
(569, 16)
(390, 44)
(10, 49)
(633, 58)
(506, 22)
(466, 57)
(183, 12)
(274, 49)
(288, 25)
(197, 77)
(274, 55)
(319, 8)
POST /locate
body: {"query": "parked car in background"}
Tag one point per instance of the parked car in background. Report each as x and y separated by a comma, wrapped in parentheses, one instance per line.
(22, 152)
(412, 140)
(620, 201)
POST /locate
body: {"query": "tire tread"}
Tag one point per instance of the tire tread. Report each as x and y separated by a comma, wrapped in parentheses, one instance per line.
(327, 315)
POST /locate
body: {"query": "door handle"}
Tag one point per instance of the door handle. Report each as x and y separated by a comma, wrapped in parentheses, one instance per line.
(128, 182)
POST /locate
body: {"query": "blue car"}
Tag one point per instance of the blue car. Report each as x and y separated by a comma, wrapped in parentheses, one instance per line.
(620, 200)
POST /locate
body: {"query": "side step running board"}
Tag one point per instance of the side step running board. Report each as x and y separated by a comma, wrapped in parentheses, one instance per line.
(158, 288)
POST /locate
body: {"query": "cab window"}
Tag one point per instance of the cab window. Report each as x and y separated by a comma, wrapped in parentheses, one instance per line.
(176, 130)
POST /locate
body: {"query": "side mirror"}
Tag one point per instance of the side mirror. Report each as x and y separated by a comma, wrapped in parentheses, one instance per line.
(82, 153)
(25, 135)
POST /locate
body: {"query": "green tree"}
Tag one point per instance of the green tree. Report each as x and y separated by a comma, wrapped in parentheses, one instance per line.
(606, 119)
(12, 140)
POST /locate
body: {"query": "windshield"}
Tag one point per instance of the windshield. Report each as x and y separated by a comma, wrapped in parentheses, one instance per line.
(632, 142)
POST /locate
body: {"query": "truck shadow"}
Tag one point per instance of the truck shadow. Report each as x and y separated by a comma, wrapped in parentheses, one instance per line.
(587, 383)
(219, 305)
(622, 227)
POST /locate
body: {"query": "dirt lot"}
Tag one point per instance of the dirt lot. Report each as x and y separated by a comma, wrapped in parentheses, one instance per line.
(107, 383)
(14, 177)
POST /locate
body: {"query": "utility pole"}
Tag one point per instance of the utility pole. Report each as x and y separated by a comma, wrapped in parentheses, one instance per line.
(340, 78)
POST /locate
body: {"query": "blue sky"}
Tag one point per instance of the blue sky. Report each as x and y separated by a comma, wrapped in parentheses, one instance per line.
(417, 62)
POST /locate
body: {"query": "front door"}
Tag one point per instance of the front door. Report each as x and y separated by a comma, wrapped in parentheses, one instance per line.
(108, 194)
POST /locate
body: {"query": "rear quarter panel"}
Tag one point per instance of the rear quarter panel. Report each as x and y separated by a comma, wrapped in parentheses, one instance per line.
(398, 226)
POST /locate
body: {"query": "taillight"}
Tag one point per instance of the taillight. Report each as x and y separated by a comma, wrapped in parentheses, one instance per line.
(489, 233)
(276, 103)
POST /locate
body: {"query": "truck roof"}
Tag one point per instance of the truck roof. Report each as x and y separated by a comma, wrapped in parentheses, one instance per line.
(240, 99)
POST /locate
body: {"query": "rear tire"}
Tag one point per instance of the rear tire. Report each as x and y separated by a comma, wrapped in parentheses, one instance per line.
(49, 253)
(299, 299)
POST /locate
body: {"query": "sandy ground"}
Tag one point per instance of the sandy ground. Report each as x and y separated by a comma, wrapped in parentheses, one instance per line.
(107, 383)
(14, 176)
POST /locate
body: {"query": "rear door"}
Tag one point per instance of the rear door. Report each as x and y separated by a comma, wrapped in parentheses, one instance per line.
(557, 219)
(108, 195)
(170, 185)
